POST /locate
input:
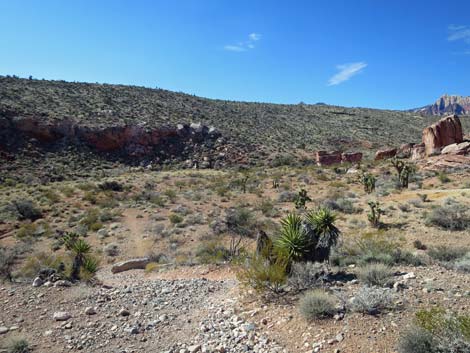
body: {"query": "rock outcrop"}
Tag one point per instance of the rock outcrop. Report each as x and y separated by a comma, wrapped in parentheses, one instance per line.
(445, 132)
(325, 158)
(385, 153)
(204, 146)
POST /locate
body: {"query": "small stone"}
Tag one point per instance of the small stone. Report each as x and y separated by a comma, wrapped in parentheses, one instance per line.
(90, 311)
(63, 283)
(195, 348)
(124, 312)
(37, 282)
(409, 275)
(3, 330)
(61, 316)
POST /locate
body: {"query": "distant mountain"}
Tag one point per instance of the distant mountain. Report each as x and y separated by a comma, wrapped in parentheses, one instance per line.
(446, 105)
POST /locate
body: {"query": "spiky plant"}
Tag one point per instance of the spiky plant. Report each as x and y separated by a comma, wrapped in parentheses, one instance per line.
(80, 248)
(293, 239)
(322, 221)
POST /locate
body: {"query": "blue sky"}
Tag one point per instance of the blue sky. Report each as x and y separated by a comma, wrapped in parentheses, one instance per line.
(378, 53)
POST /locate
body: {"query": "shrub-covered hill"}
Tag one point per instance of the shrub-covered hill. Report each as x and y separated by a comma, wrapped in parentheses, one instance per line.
(276, 127)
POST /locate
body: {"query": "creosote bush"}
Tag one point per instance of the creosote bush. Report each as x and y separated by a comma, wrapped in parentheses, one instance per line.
(451, 216)
(375, 274)
(372, 300)
(317, 304)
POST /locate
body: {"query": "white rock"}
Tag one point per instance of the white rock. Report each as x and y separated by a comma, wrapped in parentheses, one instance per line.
(61, 316)
(37, 282)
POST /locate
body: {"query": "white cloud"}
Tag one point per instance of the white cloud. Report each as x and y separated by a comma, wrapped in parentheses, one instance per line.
(345, 72)
(245, 45)
(234, 48)
(459, 33)
(254, 36)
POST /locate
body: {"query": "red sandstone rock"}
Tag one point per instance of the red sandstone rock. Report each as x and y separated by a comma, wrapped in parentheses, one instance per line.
(385, 153)
(328, 158)
(445, 132)
(352, 157)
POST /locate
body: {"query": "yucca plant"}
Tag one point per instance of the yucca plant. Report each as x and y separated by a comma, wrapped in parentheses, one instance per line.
(79, 250)
(325, 232)
(293, 239)
(368, 180)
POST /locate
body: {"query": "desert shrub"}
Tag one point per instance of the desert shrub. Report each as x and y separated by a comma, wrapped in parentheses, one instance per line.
(91, 219)
(375, 274)
(51, 195)
(418, 244)
(443, 177)
(372, 300)
(84, 265)
(446, 254)
(438, 330)
(171, 194)
(7, 260)
(306, 275)
(368, 180)
(41, 260)
(286, 196)
(341, 204)
(241, 221)
(404, 207)
(175, 218)
(26, 210)
(111, 249)
(111, 186)
(463, 264)
(317, 304)
(266, 207)
(90, 196)
(212, 252)
(262, 274)
(283, 160)
(17, 345)
(452, 216)
(417, 340)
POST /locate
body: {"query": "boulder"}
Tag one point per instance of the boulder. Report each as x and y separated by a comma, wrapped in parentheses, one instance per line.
(418, 152)
(132, 264)
(385, 153)
(405, 150)
(328, 158)
(457, 148)
(61, 316)
(351, 157)
(445, 132)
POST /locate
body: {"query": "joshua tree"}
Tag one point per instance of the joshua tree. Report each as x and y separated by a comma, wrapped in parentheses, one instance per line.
(404, 171)
(301, 199)
(368, 180)
(375, 212)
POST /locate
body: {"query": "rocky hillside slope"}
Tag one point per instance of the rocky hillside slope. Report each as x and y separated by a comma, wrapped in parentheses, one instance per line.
(273, 127)
(447, 105)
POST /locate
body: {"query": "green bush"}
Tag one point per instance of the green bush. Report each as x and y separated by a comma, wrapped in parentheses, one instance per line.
(212, 252)
(446, 254)
(439, 331)
(26, 210)
(7, 260)
(264, 275)
(375, 274)
(175, 218)
(317, 304)
(17, 345)
(451, 216)
(241, 221)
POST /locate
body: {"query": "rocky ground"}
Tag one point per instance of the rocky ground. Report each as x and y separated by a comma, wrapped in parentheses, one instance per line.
(132, 313)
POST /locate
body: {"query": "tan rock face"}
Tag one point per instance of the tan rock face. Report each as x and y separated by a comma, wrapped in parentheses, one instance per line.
(445, 132)
(385, 153)
(457, 148)
(418, 152)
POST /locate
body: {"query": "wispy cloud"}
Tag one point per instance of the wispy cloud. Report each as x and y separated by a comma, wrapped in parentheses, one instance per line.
(244, 45)
(345, 72)
(459, 33)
